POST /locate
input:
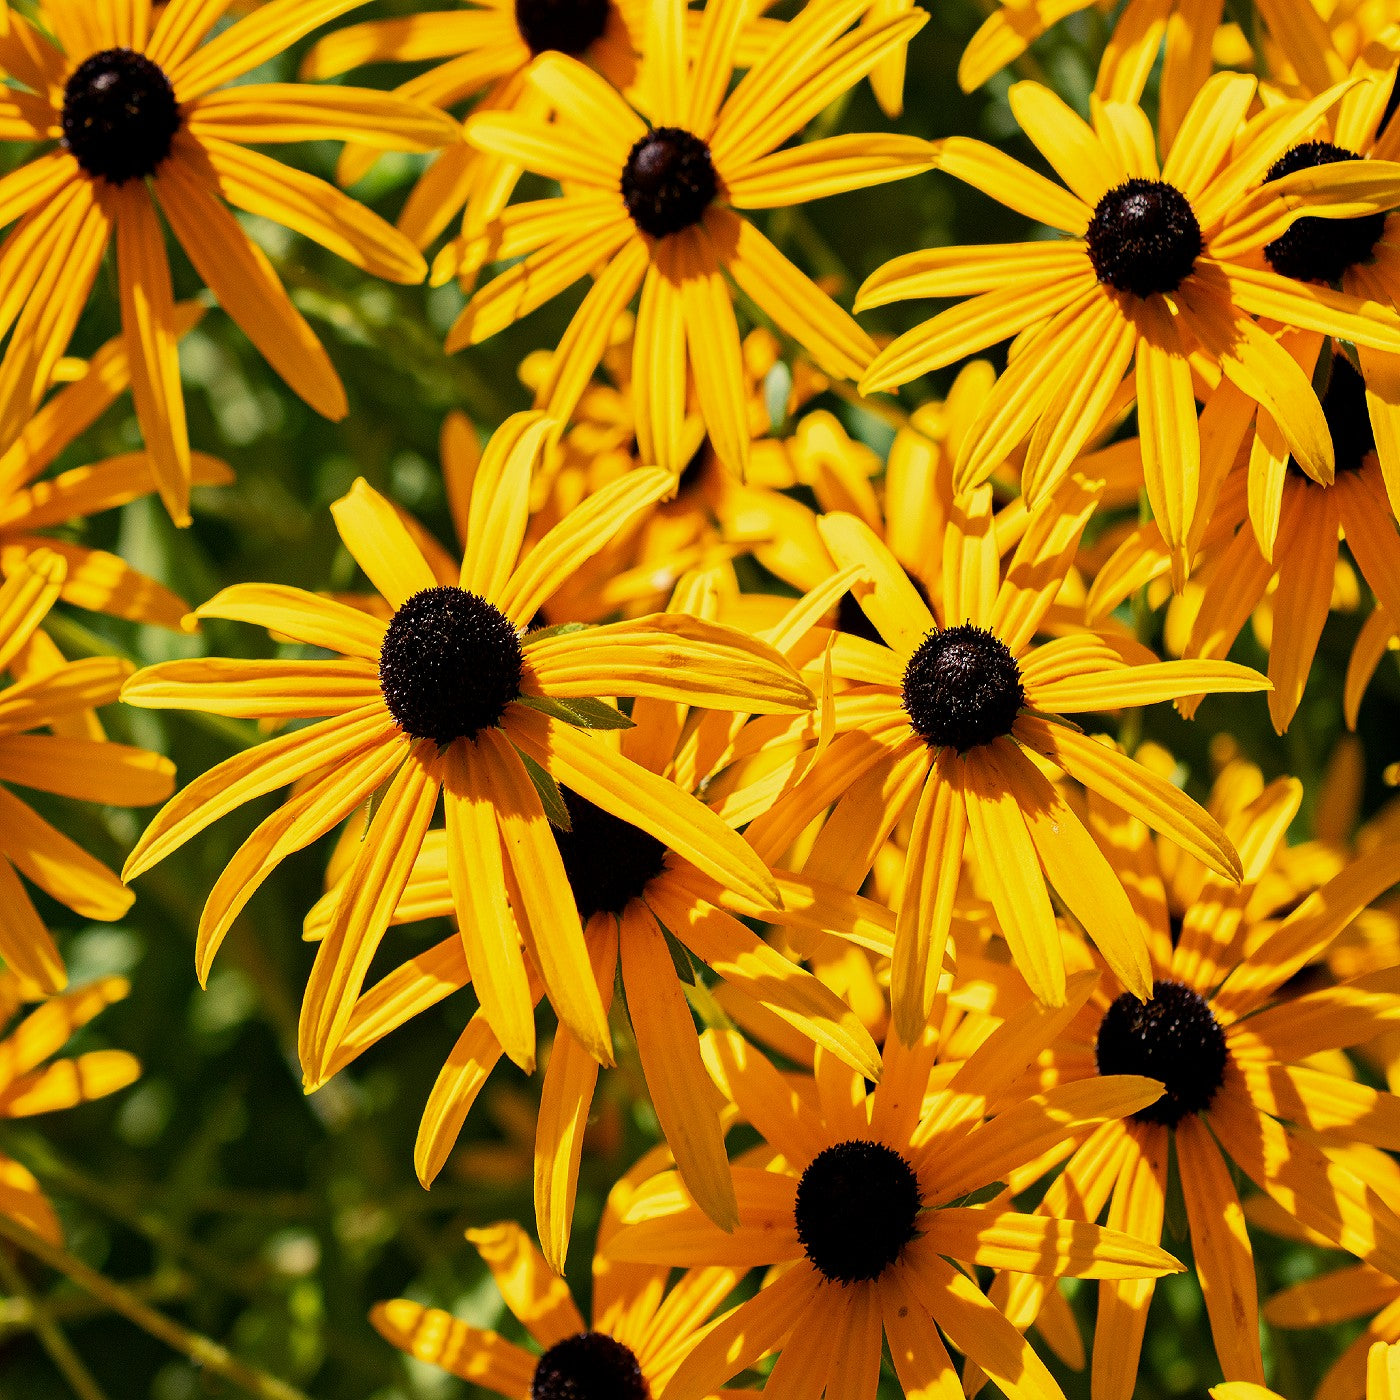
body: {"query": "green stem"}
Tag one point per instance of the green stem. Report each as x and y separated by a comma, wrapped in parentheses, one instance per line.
(20, 1313)
(66, 1361)
(203, 1351)
(45, 1163)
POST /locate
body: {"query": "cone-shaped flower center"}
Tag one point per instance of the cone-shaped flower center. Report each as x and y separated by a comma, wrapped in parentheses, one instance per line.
(1144, 237)
(962, 687)
(565, 26)
(1348, 418)
(449, 665)
(609, 862)
(1320, 250)
(668, 181)
(589, 1366)
(857, 1207)
(1175, 1038)
(119, 115)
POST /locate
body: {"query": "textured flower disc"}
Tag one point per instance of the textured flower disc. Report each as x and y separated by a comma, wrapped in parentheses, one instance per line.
(562, 26)
(962, 687)
(857, 1207)
(1175, 1038)
(1144, 237)
(669, 181)
(449, 665)
(609, 862)
(589, 1366)
(119, 115)
(1320, 250)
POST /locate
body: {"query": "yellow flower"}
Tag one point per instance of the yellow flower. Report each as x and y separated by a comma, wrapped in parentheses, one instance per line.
(448, 697)
(29, 507)
(641, 1327)
(51, 695)
(1158, 267)
(942, 719)
(857, 1201)
(28, 1086)
(1381, 1376)
(133, 99)
(1341, 1295)
(1234, 1050)
(1293, 29)
(1306, 521)
(643, 907)
(487, 47)
(654, 207)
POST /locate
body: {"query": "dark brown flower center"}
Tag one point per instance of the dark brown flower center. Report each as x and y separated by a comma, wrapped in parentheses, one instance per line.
(119, 115)
(1144, 237)
(449, 665)
(669, 181)
(589, 1366)
(962, 688)
(609, 862)
(1348, 418)
(1320, 250)
(563, 26)
(858, 1206)
(1173, 1037)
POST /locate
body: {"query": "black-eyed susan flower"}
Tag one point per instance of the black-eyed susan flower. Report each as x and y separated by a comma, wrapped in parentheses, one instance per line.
(1306, 521)
(641, 1327)
(1345, 1294)
(653, 207)
(33, 504)
(1267, 543)
(451, 697)
(487, 47)
(1234, 1049)
(946, 717)
(1187, 36)
(646, 910)
(1381, 1374)
(1158, 265)
(29, 1086)
(856, 1208)
(144, 117)
(68, 764)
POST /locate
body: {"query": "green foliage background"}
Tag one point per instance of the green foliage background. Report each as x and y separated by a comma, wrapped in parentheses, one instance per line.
(214, 1186)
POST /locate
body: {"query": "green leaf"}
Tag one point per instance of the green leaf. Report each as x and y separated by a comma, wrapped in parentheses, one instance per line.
(981, 1195)
(582, 713)
(560, 629)
(551, 799)
(680, 958)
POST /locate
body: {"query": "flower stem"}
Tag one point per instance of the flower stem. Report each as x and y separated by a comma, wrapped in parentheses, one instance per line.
(203, 1351)
(66, 1361)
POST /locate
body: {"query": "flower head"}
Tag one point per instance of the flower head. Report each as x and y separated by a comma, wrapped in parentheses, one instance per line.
(1159, 262)
(957, 716)
(143, 118)
(857, 1206)
(647, 911)
(452, 697)
(643, 1324)
(654, 203)
(1233, 1049)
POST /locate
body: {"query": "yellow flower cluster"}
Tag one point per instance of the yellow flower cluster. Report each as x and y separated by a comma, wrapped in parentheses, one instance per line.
(763, 750)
